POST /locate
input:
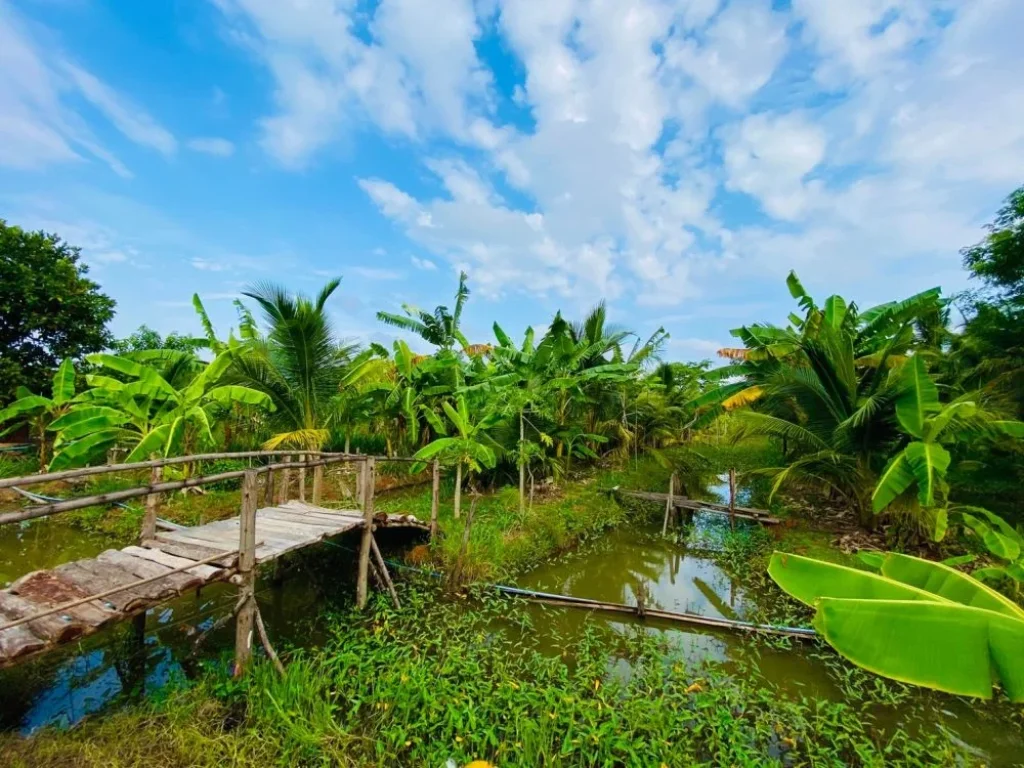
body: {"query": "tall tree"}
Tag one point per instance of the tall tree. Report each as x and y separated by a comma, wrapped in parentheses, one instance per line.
(49, 309)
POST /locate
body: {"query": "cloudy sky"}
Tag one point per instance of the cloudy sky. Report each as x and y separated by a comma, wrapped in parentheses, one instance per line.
(676, 157)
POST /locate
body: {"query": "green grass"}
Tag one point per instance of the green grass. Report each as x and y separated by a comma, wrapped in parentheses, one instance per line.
(463, 681)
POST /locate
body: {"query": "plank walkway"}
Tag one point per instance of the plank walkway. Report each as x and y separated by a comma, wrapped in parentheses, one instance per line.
(742, 513)
(280, 529)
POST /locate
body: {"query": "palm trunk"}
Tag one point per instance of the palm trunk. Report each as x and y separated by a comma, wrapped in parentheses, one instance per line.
(522, 465)
(458, 489)
(348, 443)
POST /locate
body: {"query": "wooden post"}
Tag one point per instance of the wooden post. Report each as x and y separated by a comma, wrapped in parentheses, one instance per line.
(362, 484)
(318, 484)
(286, 478)
(732, 499)
(668, 503)
(247, 570)
(362, 585)
(302, 477)
(152, 505)
(434, 498)
(268, 497)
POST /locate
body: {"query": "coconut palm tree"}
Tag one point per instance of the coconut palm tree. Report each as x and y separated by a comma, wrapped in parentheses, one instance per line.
(441, 327)
(299, 365)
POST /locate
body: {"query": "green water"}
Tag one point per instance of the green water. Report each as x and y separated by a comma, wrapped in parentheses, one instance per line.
(675, 573)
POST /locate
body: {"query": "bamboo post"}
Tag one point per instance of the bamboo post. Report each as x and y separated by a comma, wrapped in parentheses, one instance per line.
(318, 484)
(302, 477)
(434, 498)
(384, 575)
(362, 586)
(668, 503)
(286, 478)
(152, 506)
(247, 572)
(732, 499)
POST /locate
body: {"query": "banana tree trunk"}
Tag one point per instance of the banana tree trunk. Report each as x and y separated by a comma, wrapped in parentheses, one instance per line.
(458, 490)
(522, 465)
(348, 443)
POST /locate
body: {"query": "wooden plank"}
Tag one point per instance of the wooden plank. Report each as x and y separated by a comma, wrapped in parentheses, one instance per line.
(144, 568)
(187, 548)
(297, 518)
(100, 577)
(217, 536)
(320, 512)
(217, 541)
(50, 589)
(205, 573)
(52, 629)
(19, 641)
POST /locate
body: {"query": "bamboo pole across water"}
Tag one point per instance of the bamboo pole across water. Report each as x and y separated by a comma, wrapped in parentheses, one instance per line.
(44, 510)
(71, 474)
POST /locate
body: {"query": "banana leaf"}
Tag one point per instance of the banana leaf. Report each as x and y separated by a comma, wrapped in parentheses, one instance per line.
(948, 647)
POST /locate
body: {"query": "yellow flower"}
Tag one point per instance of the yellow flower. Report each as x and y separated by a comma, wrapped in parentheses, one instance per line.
(695, 688)
(597, 684)
(458, 739)
(479, 764)
(552, 715)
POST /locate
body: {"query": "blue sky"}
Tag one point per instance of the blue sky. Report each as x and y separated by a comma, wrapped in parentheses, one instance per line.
(676, 157)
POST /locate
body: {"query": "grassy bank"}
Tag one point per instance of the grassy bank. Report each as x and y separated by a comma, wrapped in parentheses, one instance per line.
(442, 680)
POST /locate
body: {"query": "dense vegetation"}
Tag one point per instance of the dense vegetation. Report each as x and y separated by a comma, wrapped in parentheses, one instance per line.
(896, 419)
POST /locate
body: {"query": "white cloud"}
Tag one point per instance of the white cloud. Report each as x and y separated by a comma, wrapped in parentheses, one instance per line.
(39, 123)
(212, 146)
(206, 265)
(127, 118)
(425, 264)
(873, 134)
(769, 157)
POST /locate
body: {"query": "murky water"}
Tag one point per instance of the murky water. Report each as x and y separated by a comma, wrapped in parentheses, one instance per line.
(675, 573)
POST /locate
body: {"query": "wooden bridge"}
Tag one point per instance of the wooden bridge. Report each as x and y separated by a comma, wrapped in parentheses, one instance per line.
(45, 609)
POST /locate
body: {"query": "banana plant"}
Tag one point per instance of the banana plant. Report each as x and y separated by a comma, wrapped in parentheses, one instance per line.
(915, 478)
(470, 447)
(146, 414)
(1003, 542)
(913, 620)
(39, 411)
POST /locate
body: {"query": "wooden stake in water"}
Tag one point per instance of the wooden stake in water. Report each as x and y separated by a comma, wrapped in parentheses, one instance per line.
(152, 506)
(668, 503)
(732, 499)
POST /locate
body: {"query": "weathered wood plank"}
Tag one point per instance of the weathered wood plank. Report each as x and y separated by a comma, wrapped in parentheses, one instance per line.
(205, 573)
(96, 578)
(18, 641)
(182, 546)
(52, 628)
(319, 513)
(50, 589)
(144, 569)
(333, 527)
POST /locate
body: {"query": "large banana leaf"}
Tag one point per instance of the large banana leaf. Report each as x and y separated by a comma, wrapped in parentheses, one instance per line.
(230, 394)
(24, 405)
(1004, 544)
(81, 451)
(152, 443)
(948, 583)
(82, 413)
(948, 647)
(116, 363)
(919, 398)
(895, 479)
(108, 420)
(928, 462)
(64, 382)
(808, 579)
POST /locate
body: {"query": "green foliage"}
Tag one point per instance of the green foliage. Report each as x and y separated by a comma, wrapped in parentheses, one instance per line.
(998, 260)
(915, 621)
(145, 338)
(148, 414)
(51, 311)
(39, 412)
